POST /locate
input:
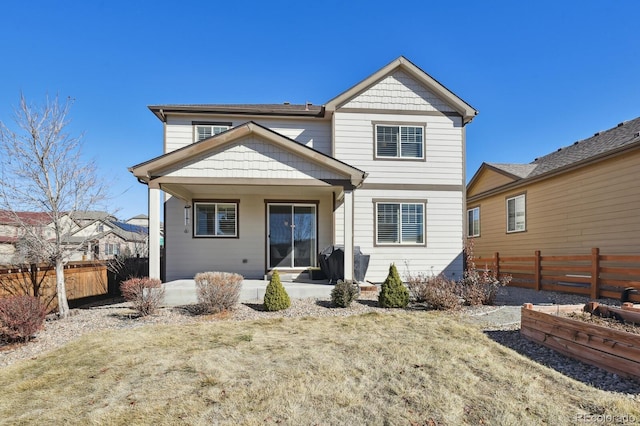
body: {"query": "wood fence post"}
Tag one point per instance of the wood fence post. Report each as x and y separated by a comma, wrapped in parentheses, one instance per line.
(595, 273)
(496, 259)
(536, 272)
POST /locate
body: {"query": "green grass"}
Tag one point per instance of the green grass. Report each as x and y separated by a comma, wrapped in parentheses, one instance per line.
(404, 368)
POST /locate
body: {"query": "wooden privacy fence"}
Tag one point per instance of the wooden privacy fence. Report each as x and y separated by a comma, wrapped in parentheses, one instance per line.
(594, 275)
(82, 279)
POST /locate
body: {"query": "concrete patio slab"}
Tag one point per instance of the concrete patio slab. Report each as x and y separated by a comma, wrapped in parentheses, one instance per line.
(183, 292)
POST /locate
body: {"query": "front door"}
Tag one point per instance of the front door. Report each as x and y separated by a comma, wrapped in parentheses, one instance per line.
(291, 239)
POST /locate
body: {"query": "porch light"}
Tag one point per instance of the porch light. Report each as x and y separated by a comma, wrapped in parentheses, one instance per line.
(187, 215)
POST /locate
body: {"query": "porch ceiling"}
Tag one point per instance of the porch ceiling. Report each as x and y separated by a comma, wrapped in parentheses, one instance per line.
(190, 191)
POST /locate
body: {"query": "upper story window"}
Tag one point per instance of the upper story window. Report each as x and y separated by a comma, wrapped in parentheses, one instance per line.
(473, 222)
(400, 141)
(216, 219)
(516, 214)
(399, 223)
(206, 130)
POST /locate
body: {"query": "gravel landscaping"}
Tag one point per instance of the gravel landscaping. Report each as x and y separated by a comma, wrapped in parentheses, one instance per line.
(501, 323)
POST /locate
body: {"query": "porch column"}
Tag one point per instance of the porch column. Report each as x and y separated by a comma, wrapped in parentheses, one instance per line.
(348, 234)
(154, 231)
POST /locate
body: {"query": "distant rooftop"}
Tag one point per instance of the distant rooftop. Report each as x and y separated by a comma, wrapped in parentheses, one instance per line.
(601, 143)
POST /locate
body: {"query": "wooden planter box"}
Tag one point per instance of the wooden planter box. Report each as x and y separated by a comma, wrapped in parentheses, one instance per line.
(612, 350)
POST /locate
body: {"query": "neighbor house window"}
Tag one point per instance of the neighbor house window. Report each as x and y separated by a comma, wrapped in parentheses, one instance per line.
(204, 131)
(473, 222)
(111, 249)
(516, 214)
(216, 219)
(399, 141)
(399, 223)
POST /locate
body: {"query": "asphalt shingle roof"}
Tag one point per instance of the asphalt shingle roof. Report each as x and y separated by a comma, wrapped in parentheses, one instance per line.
(519, 170)
(624, 134)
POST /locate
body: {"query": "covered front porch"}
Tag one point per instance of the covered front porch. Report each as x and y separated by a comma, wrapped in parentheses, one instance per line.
(248, 201)
(250, 230)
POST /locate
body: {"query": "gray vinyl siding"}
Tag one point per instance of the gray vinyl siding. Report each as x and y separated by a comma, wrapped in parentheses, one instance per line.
(315, 134)
(354, 144)
(252, 157)
(186, 256)
(443, 231)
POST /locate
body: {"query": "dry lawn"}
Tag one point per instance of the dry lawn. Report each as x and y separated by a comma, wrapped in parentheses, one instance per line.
(404, 368)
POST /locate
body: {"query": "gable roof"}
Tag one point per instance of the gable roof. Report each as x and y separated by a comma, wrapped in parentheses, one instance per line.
(625, 135)
(517, 171)
(466, 111)
(153, 168)
(322, 111)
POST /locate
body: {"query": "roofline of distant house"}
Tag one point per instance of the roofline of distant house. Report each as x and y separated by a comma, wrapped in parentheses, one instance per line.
(551, 173)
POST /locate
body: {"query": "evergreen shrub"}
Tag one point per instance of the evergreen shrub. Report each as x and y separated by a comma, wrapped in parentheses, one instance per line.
(344, 293)
(276, 297)
(393, 293)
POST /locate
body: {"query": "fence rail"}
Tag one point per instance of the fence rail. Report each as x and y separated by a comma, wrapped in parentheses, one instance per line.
(595, 275)
(82, 279)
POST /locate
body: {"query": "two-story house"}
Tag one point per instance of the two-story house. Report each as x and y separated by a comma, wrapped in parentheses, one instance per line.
(252, 188)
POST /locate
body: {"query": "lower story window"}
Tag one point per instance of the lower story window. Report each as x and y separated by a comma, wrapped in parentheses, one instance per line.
(111, 249)
(216, 219)
(400, 223)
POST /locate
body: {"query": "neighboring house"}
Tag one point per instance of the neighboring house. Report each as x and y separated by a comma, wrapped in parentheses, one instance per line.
(143, 220)
(98, 235)
(11, 231)
(582, 196)
(252, 188)
(106, 238)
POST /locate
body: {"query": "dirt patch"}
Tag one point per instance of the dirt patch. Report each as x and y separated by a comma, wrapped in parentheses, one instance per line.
(612, 323)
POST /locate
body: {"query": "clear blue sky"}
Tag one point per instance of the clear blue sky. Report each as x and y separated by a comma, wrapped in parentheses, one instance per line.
(543, 74)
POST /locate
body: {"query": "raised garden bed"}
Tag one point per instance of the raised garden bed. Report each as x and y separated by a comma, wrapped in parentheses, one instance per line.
(613, 350)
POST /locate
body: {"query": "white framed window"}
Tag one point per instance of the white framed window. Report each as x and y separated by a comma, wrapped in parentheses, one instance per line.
(399, 141)
(473, 222)
(206, 130)
(516, 213)
(111, 249)
(216, 219)
(400, 223)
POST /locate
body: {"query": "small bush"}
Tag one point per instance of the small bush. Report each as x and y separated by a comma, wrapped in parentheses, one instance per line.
(343, 293)
(20, 318)
(146, 294)
(218, 291)
(393, 293)
(276, 297)
(479, 288)
(436, 291)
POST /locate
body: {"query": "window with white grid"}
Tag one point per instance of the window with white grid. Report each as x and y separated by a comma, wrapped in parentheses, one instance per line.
(399, 141)
(204, 131)
(400, 223)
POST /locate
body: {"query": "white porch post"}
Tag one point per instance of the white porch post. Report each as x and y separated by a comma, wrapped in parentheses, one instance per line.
(348, 234)
(154, 231)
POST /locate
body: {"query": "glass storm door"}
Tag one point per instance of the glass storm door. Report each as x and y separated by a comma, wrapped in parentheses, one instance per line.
(291, 235)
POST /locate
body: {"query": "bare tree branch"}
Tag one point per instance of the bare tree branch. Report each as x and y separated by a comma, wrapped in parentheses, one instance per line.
(42, 170)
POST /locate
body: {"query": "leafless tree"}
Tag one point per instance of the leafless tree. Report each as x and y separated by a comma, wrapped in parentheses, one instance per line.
(42, 170)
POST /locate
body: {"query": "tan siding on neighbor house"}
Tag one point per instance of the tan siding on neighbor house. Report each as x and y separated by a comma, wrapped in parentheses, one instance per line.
(594, 206)
(487, 180)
